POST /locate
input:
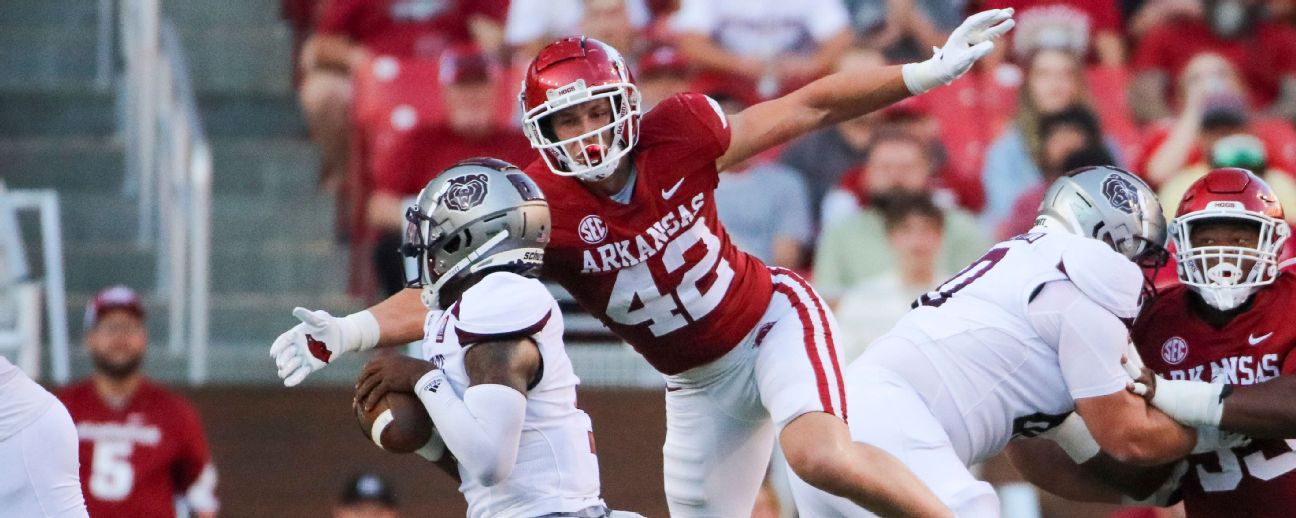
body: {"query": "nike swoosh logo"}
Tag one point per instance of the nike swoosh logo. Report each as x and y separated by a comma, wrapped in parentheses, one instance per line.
(667, 193)
(1255, 340)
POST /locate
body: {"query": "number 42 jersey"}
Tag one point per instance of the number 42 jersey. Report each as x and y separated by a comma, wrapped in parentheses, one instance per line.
(660, 271)
(1001, 350)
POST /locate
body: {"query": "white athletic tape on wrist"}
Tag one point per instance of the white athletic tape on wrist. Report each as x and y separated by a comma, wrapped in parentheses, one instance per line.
(366, 327)
(380, 424)
(1074, 438)
(1193, 403)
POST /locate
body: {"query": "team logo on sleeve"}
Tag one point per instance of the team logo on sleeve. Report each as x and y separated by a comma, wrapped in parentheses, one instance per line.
(465, 192)
(1174, 350)
(592, 229)
(1120, 193)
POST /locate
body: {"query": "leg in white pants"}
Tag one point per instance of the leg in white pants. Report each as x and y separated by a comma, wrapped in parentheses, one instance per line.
(887, 413)
(39, 469)
(718, 439)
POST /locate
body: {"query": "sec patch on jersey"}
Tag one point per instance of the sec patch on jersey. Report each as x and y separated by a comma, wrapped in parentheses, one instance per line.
(398, 423)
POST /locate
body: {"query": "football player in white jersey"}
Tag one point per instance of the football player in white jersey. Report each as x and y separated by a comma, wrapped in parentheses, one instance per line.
(1029, 333)
(495, 378)
(39, 471)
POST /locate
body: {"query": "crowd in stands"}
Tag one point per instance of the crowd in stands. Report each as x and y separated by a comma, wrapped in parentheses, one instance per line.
(876, 209)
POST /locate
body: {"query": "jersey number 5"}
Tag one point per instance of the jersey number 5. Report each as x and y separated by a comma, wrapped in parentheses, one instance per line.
(636, 299)
(111, 473)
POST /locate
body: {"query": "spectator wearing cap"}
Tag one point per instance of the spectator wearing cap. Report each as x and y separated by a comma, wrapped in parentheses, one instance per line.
(142, 446)
(854, 246)
(748, 190)
(367, 495)
(1071, 139)
(915, 229)
(470, 83)
(1236, 30)
(1214, 107)
(776, 44)
(349, 32)
(662, 72)
(532, 24)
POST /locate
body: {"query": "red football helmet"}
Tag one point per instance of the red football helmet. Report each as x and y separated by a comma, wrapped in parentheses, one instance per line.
(1229, 193)
(572, 71)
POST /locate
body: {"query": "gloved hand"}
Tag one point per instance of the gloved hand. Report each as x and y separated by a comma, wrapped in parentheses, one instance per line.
(969, 42)
(320, 339)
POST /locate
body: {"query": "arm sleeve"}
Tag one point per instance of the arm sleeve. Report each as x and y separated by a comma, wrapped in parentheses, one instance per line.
(483, 428)
(1090, 340)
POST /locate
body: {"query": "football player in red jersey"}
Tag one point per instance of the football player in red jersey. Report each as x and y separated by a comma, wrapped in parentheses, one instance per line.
(1218, 345)
(747, 350)
(142, 445)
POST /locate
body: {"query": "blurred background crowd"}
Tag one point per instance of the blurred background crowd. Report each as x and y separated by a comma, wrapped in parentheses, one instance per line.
(318, 125)
(875, 209)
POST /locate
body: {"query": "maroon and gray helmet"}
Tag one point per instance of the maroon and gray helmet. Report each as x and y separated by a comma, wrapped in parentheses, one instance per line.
(477, 215)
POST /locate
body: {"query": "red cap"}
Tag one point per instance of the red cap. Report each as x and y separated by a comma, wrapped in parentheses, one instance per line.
(662, 60)
(465, 63)
(113, 298)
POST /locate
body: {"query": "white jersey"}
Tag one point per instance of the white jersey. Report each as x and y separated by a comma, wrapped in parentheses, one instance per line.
(991, 363)
(556, 469)
(22, 401)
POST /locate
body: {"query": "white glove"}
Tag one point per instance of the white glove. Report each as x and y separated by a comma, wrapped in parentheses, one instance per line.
(1074, 438)
(319, 340)
(969, 42)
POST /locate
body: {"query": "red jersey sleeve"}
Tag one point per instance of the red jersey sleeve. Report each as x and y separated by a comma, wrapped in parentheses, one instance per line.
(696, 120)
(336, 16)
(192, 456)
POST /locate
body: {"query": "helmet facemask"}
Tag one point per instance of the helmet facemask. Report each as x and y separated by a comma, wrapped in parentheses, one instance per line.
(1227, 275)
(589, 161)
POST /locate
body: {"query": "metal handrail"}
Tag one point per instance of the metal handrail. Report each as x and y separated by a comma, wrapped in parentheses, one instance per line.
(169, 159)
(46, 203)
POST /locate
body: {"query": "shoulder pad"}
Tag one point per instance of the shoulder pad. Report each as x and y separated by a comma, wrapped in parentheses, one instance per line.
(1106, 277)
(502, 303)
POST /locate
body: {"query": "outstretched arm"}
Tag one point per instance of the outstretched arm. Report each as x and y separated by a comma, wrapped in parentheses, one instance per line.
(849, 94)
(1263, 410)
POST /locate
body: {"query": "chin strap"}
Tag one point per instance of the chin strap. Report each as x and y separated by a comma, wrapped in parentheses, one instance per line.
(429, 295)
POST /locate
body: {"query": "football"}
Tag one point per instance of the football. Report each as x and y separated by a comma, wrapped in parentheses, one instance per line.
(398, 423)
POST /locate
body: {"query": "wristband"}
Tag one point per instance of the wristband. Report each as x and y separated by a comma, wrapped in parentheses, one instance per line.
(1193, 403)
(1074, 438)
(366, 329)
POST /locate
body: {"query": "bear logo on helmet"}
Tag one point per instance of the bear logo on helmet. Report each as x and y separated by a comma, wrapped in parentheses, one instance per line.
(465, 192)
(1121, 193)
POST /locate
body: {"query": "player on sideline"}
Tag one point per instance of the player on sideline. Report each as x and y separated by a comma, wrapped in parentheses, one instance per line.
(38, 451)
(142, 445)
(1223, 339)
(495, 377)
(747, 350)
(1010, 346)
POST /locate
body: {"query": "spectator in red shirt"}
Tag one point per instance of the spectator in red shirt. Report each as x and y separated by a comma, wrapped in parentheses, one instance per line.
(470, 81)
(348, 32)
(1086, 27)
(142, 446)
(1213, 107)
(1235, 29)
